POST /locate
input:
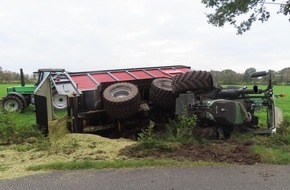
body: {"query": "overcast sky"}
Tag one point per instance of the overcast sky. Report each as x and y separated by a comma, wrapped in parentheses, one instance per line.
(110, 34)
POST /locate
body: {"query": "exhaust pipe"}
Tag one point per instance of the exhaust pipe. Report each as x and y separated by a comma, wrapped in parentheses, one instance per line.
(22, 77)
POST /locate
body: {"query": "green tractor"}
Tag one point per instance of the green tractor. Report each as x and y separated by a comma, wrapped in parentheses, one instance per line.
(20, 97)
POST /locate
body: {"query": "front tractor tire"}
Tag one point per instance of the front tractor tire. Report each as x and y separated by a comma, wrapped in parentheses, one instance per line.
(121, 100)
(13, 103)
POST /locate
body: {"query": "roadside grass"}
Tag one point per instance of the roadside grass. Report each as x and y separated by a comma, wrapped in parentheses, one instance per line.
(115, 164)
(13, 131)
(269, 155)
(273, 149)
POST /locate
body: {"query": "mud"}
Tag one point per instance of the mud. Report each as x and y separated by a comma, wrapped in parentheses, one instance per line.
(232, 152)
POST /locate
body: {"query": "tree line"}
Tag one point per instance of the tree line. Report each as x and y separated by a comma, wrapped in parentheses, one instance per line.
(229, 76)
(8, 77)
(226, 76)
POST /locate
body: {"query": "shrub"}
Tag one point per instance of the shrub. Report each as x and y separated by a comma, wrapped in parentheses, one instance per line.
(10, 133)
(178, 132)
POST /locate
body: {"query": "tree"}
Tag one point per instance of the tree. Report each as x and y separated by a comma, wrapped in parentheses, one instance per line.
(1, 74)
(229, 76)
(284, 75)
(228, 11)
(247, 74)
(7, 76)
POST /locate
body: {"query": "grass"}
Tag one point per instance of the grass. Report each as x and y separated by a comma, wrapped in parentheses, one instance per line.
(274, 149)
(283, 103)
(115, 164)
(3, 90)
(3, 168)
(270, 155)
(27, 117)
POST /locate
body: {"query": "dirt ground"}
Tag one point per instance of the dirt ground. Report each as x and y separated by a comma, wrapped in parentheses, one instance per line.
(232, 152)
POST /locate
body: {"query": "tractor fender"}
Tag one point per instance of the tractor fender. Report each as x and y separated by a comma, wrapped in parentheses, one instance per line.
(20, 96)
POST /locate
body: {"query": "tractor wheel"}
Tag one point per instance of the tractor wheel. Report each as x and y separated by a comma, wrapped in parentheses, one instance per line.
(161, 93)
(59, 101)
(13, 103)
(121, 100)
(192, 81)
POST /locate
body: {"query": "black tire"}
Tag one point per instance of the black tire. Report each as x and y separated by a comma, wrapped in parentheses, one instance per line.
(161, 93)
(13, 103)
(121, 100)
(192, 81)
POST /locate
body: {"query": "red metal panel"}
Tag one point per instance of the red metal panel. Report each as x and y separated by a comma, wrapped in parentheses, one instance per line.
(83, 82)
(159, 74)
(174, 72)
(122, 76)
(102, 77)
(141, 74)
(184, 70)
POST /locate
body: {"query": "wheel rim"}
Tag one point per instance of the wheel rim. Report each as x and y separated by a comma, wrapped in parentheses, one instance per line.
(166, 84)
(59, 101)
(11, 105)
(121, 92)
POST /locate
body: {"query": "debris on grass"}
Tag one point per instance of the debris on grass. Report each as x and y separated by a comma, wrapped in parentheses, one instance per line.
(63, 146)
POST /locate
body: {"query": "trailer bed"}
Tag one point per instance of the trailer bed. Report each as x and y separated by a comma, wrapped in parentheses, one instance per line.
(92, 79)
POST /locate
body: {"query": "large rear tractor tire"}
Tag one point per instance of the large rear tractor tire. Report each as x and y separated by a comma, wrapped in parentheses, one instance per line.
(13, 103)
(161, 93)
(192, 81)
(121, 100)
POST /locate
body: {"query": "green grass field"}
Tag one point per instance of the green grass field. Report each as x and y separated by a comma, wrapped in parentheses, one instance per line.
(3, 89)
(284, 102)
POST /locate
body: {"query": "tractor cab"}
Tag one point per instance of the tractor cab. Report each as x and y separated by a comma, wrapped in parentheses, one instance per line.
(43, 73)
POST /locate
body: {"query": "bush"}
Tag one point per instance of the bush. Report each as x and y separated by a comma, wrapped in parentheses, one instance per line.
(178, 132)
(10, 133)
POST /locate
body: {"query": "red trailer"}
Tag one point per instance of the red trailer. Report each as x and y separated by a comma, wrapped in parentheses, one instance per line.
(118, 101)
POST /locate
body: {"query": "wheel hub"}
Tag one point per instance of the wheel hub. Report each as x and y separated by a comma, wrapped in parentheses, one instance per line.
(11, 105)
(59, 101)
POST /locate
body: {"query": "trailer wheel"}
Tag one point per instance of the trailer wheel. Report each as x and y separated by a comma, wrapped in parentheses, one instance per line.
(121, 100)
(13, 103)
(161, 93)
(59, 101)
(192, 81)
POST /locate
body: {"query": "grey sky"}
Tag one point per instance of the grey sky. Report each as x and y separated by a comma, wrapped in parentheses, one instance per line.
(95, 35)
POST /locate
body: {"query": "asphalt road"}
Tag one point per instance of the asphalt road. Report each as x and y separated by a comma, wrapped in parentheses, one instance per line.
(264, 177)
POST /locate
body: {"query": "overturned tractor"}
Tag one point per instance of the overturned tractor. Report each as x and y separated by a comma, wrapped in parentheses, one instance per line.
(122, 102)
